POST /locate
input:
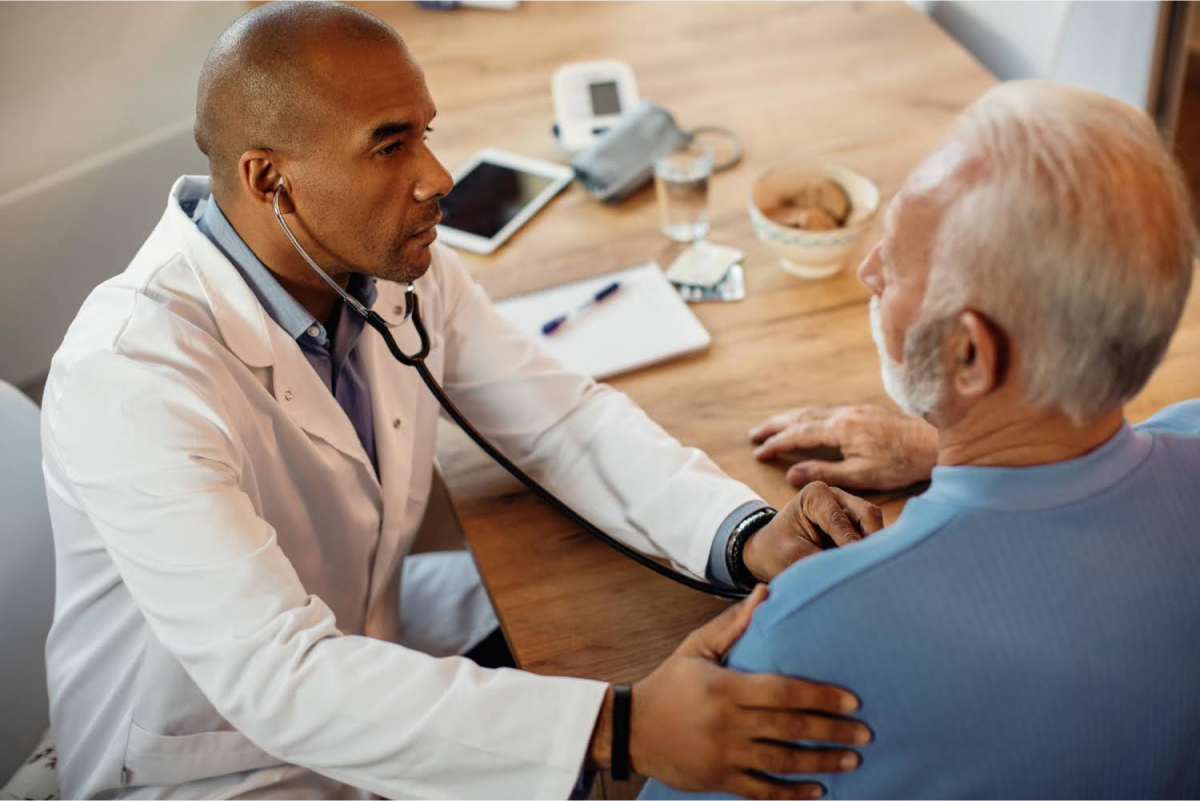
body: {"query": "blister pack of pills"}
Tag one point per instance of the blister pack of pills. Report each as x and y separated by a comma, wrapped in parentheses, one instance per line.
(704, 264)
(707, 271)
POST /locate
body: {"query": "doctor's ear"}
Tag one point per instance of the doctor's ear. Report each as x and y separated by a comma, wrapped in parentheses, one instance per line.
(260, 179)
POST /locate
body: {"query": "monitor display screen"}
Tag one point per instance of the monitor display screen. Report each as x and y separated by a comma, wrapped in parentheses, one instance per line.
(489, 196)
(605, 100)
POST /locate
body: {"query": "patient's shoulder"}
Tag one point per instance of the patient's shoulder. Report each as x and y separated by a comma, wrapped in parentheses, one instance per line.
(854, 568)
(1179, 418)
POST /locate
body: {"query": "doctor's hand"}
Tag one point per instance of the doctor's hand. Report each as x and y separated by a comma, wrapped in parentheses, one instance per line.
(880, 448)
(818, 517)
(703, 728)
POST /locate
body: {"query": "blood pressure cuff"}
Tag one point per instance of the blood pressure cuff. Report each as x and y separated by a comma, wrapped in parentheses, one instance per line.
(622, 160)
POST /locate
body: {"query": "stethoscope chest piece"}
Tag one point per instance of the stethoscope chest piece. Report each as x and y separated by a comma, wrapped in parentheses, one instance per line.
(412, 311)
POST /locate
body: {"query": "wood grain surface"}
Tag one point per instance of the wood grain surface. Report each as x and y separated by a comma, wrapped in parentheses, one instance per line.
(871, 85)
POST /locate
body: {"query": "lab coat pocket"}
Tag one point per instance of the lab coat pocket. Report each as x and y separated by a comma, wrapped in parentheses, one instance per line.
(154, 759)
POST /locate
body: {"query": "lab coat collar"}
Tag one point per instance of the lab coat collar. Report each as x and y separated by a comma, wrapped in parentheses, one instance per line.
(252, 336)
(240, 317)
(238, 311)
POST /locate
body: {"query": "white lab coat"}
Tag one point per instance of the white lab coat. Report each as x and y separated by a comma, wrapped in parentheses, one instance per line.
(229, 564)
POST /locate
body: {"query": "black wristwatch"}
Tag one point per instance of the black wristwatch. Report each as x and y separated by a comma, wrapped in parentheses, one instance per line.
(735, 549)
(622, 718)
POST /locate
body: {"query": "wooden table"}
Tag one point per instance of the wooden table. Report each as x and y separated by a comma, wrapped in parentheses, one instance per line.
(871, 85)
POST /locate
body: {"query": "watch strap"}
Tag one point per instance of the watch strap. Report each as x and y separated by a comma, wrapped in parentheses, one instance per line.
(622, 712)
(735, 551)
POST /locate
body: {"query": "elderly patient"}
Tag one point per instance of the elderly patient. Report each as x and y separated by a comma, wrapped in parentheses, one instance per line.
(1030, 625)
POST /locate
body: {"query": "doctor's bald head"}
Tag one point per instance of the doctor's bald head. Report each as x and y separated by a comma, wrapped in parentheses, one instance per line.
(325, 101)
(265, 83)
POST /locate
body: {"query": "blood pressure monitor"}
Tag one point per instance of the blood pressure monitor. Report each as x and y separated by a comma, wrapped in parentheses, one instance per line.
(589, 98)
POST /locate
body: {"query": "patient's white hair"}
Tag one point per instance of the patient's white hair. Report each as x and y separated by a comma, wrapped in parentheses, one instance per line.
(1078, 242)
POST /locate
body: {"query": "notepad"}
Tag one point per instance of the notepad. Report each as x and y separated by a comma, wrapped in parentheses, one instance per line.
(644, 323)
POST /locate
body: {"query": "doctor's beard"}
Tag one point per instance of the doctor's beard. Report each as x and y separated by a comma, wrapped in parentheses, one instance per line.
(408, 260)
(918, 384)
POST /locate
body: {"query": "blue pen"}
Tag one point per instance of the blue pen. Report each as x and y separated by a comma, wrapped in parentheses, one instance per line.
(552, 326)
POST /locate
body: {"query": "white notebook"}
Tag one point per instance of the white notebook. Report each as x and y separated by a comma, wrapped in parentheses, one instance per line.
(644, 322)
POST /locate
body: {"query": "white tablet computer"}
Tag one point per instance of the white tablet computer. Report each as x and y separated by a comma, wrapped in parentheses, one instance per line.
(494, 195)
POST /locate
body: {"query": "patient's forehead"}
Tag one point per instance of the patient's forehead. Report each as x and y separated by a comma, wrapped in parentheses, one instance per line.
(915, 215)
(939, 167)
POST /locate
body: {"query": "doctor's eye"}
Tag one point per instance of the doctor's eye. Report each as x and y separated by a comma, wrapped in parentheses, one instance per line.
(428, 131)
(389, 150)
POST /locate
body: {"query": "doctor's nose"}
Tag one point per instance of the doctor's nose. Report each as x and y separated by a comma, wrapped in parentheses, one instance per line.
(435, 182)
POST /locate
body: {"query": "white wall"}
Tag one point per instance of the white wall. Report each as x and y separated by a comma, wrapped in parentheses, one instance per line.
(97, 104)
(1013, 40)
(1106, 46)
(1110, 47)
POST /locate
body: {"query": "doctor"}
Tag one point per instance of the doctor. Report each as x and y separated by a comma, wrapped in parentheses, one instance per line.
(236, 472)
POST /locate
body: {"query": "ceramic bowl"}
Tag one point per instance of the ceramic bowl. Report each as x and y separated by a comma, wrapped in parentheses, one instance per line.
(812, 254)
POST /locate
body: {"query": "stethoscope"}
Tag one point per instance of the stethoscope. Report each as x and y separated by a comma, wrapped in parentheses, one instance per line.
(412, 311)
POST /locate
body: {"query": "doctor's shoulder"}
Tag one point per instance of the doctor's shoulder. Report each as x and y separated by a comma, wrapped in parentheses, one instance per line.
(141, 336)
(160, 312)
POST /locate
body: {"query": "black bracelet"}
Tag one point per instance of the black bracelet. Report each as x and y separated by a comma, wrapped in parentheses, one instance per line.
(622, 711)
(735, 551)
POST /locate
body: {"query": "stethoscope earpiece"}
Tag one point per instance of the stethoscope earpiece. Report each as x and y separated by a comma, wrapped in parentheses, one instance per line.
(362, 310)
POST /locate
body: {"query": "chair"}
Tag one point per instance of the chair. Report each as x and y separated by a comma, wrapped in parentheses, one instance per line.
(26, 581)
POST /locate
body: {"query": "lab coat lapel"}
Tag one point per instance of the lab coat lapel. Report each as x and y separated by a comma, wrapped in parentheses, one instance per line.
(238, 314)
(394, 398)
(307, 401)
(256, 339)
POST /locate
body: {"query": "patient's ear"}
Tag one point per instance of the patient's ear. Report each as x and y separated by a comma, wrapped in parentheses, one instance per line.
(976, 353)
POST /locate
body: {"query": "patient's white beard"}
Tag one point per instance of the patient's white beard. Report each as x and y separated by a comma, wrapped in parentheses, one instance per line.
(917, 384)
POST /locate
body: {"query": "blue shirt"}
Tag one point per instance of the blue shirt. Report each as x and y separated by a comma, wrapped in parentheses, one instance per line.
(331, 352)
(1017, 632)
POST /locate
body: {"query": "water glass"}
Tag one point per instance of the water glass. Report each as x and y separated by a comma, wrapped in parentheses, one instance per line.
(681, 182)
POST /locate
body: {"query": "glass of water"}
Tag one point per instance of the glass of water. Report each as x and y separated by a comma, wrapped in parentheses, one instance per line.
(681, 182)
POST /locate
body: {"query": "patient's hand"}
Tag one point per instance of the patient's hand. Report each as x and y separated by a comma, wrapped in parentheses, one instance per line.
(880, 448)
(817, 515)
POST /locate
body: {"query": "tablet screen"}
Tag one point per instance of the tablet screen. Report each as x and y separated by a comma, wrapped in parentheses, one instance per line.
(488, 197)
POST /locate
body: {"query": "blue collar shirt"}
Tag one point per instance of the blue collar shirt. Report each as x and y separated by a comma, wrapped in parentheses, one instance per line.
(330, 348)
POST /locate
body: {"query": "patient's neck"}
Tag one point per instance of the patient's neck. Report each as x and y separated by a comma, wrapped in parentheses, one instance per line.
(1015, 436)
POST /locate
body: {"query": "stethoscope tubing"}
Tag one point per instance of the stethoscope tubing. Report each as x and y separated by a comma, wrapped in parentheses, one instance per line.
(418, 361)
(412, 311)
